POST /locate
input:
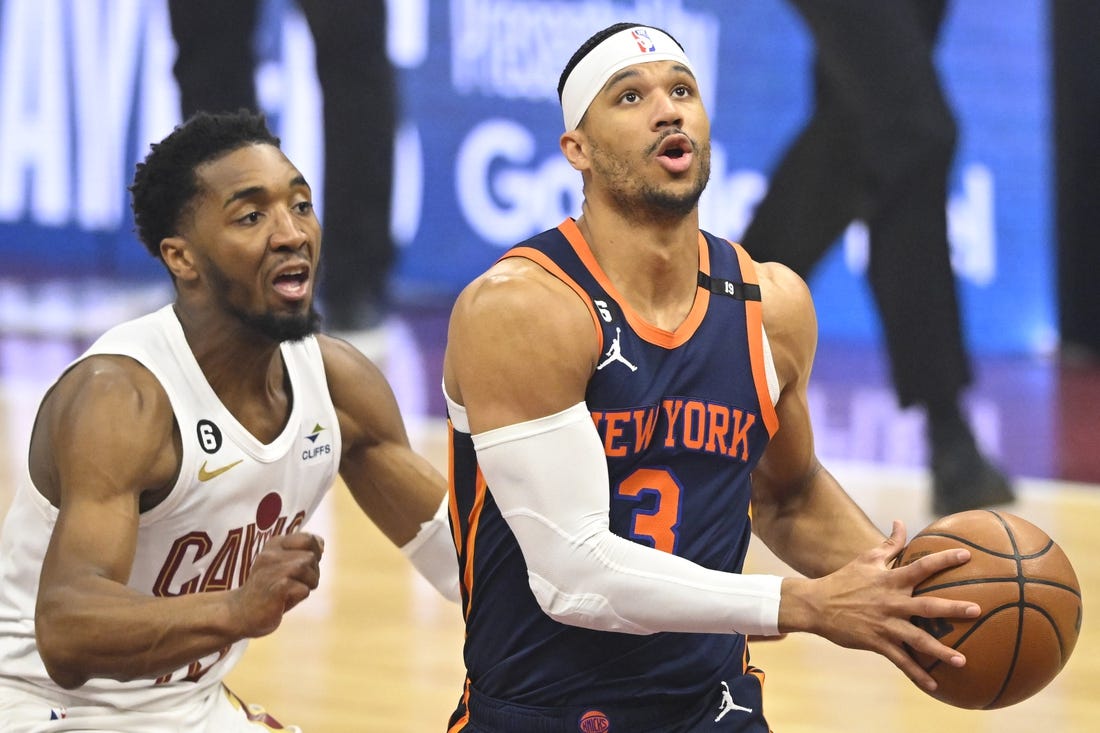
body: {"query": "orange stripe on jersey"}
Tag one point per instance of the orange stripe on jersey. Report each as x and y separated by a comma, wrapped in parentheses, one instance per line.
(471, 539)
(647, 331)
(754, 315)
(748, 668)
(452, 496)
(540, 259)
(461, 722)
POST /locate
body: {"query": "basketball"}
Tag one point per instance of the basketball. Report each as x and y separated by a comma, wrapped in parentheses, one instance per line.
(1030, 600)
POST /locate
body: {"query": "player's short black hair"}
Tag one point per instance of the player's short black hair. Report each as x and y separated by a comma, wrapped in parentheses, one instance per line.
(596, 39)
(165, 182)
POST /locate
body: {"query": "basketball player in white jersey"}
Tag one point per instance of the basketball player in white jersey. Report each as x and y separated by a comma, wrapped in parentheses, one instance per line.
(172, 466)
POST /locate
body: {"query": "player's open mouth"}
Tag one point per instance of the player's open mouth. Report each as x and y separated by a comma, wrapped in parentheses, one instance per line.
(675, 153)
(292, 282)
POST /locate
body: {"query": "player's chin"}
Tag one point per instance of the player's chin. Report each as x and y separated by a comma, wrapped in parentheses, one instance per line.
(292, 325)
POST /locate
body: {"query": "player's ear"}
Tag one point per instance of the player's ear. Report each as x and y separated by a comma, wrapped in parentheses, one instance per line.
(177, 255)
(574, 146)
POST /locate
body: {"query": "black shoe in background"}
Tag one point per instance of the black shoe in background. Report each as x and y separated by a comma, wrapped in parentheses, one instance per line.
(962, 478)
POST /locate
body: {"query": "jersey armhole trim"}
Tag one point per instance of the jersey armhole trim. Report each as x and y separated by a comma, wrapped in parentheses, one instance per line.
(754, 316)
(543, 261)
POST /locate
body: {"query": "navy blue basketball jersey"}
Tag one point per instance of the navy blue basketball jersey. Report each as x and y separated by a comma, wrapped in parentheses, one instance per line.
(684, 417)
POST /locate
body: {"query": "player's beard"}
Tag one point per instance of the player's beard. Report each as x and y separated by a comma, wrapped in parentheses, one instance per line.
(278, 327)
(638, 198)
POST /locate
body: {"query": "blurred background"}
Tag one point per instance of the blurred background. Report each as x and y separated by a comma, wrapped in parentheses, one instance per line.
(86, 84)
(84, 87)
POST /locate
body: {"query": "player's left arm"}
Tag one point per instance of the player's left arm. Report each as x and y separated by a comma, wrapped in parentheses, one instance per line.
(800, 511)
(396, 487)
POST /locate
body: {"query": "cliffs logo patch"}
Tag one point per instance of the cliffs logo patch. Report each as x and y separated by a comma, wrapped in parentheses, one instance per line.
(315, 448)
(594, 721)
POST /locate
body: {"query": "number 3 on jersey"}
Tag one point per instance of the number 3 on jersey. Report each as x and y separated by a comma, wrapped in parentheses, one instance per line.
(659, 523)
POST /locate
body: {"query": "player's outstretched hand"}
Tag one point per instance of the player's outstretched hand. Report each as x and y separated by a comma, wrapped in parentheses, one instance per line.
(868, 604)
(282, 576)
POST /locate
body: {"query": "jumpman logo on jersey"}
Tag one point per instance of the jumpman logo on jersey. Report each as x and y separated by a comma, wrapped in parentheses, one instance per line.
(615, 353)
(728, 704)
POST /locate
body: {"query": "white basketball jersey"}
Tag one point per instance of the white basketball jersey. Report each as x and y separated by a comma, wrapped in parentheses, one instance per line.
(232, 495)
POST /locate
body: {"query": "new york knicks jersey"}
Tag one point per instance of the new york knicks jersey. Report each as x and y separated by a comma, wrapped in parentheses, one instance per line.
(232, 495)
(683, 417)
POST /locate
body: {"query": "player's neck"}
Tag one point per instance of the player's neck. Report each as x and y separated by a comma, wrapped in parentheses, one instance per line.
(654, 265)
(242, 367)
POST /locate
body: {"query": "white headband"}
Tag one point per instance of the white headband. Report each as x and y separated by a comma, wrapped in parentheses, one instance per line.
(637, 45)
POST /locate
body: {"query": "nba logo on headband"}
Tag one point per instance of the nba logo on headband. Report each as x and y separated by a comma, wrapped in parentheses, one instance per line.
(645, 45)
(637, 45)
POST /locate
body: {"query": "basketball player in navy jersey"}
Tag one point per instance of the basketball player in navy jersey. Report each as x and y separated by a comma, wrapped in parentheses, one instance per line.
(173, 466)
(628, 403)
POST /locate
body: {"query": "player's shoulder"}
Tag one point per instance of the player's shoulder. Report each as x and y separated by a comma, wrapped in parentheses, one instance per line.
(109, 376)
(782, 281)
(783, 292)
(789, 319)
(104, 391)
(344, 361)
(514, 288)
(352, 377)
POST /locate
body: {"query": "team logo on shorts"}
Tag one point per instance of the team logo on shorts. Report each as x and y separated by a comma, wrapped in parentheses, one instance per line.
(594, 721)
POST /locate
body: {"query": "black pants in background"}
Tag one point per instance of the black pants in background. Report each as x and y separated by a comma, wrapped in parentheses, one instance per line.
(1076, 54)
(215, 70)
(878, 147)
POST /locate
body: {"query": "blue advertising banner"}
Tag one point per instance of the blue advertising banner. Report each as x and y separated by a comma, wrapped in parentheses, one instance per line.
(86, 84)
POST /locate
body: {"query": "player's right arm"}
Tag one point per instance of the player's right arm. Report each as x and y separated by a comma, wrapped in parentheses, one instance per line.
(533, 335)
(521, 349)
(104, 445)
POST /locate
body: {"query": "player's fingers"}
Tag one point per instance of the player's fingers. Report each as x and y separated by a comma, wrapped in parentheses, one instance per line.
(910, 668)
(924, 643)
(295, 594)
(307, 569)
(892, 546)
(303, 541)
(928, 565)
(933, 607)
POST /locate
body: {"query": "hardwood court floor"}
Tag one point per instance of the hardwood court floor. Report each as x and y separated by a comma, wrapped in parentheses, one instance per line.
(375, 649)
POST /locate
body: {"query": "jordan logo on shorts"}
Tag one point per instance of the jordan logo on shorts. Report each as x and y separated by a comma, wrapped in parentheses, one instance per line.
(615, 353)
(728, 704)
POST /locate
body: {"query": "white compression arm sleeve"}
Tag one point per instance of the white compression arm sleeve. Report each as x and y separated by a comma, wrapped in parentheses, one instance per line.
(549, 479)
(432, 553)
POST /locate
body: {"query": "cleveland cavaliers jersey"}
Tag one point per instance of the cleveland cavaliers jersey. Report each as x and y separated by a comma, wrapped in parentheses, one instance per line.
(232, 495)
(683, 417)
